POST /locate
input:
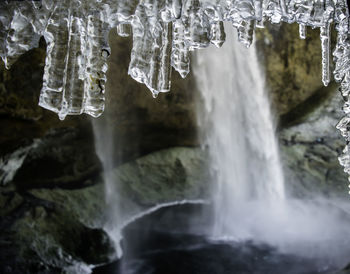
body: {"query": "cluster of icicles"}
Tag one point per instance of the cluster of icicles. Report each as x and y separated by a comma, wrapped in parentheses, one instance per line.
(163, 32)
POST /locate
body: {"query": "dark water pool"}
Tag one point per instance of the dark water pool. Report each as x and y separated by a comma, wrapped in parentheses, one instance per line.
(164, 244)
(172, 253)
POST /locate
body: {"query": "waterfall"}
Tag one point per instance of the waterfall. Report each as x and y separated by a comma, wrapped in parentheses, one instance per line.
(249, 200)
(105, 148)
(237, 126)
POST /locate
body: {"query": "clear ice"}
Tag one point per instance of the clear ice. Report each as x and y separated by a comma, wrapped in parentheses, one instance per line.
(163, 33)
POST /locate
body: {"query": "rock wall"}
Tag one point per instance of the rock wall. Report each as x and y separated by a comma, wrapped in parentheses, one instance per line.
(139, 123)
(310, 149)
(307, 112)
(292, 65)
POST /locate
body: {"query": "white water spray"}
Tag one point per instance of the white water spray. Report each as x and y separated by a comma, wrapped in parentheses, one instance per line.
(239, 131)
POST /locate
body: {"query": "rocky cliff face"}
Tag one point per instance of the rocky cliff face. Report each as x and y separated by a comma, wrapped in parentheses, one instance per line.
(51, 188)
(307, 112)
(310, 149)
(292, 65)
(139, 123)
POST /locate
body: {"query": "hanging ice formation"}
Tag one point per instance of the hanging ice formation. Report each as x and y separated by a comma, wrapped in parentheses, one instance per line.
(163, 32)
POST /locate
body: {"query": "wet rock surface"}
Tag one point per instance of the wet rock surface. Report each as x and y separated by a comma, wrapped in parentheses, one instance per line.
(310, 149)
(39, 236)
(139, 123)
(167, 175)
(292, 66)
(87, 204)
(63, 158)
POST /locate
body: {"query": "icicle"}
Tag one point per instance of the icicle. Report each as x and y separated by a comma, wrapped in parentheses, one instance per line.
(325, 44)
(163, 33)
(180, 59)
(273, 10)
(259, 17)
(346, 108)
(160, 69)
(126, 9)
(96, 68)
(217, 34)
(73, 84)
(75, 66)
(73, 76)
(245, 32)
(246, 9)
(151, 52)
(303, 11)
(142, 45)
(284, 9)
(343, 126)
(344, 159)
(345, 86)
(17, 31)
(258, 7)
(124, 30)
(165, 67)
(196, 23)
(302, 31)
(176, 8)
(57, 39)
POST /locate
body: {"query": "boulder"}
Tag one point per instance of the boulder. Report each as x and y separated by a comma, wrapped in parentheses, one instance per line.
(47, 230)
(173, 174)
(63, 158)
(87, 205)
(39, 236)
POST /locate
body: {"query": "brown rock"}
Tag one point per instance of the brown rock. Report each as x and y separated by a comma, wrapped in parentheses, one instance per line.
(292, 65)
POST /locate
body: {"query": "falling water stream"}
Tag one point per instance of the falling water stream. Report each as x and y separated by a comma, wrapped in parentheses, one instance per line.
(239, 131)
(250, 207)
